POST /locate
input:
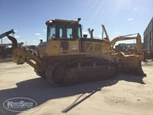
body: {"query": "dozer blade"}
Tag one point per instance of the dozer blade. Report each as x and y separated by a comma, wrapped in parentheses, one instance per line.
(130, 64)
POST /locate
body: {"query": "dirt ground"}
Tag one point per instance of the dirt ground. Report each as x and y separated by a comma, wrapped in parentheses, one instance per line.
(124, 95)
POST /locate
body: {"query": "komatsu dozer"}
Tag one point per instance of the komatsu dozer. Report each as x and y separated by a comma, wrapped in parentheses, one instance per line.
(68, 57)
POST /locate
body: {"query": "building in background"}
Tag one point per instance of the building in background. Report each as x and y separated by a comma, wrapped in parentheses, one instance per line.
(148, 36)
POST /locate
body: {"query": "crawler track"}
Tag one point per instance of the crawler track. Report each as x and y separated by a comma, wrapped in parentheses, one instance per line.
(81, 70)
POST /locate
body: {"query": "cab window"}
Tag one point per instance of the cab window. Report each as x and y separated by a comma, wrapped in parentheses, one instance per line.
(69, 33)
(51, 32)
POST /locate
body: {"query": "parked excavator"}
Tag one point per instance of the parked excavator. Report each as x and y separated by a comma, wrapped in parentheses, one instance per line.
(68, 57)
(129, 37)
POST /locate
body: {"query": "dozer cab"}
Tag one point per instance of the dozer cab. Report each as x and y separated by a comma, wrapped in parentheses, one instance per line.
(68, 57)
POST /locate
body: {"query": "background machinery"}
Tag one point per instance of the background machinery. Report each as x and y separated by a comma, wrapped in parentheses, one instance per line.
(68, 57)
(5, 49)
(148, 54)
(124, 48)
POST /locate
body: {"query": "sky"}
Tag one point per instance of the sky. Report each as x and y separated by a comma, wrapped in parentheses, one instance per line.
(28, 17)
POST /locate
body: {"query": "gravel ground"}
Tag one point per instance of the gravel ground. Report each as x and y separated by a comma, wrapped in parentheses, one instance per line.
(125, 95)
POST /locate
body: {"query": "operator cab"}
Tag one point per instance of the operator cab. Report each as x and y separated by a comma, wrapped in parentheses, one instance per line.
(63, 29)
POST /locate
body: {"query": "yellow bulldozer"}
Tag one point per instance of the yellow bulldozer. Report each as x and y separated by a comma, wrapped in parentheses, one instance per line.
(68, 57)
